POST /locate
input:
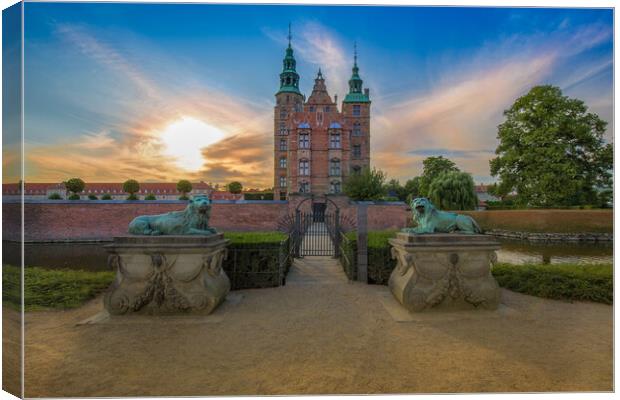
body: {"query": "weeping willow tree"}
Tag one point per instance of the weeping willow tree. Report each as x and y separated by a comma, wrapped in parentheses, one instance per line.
(453, 190)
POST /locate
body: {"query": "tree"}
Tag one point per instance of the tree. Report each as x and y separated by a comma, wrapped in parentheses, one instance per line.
(453, 190)
(75, 186)
(235, 187)
(412, 189)
(552, 151)
(367, 185)
(433, 167)
(184, 187)
(394, 189)
(132, 187)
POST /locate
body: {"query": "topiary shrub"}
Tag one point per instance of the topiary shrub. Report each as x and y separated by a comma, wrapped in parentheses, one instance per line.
(106, 196)
(74, 197)
(183, 198)
(150, 196)
(132, 197)
(54, 196)
(93, 197)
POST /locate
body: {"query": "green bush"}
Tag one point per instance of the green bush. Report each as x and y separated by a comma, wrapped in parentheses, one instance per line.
(254, 259)
(93, 197)
(559, 281)
(106, 196)
(56, 289)
(150, 196)
(54, 196)
(380, 263)
(185, 198)
(132, 197)
(74, 197)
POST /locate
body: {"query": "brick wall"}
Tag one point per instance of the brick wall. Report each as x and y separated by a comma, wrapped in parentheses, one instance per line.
(51, 220)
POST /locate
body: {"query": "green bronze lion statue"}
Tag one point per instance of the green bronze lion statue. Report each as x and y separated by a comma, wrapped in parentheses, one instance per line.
(432, 220)
(194, 220)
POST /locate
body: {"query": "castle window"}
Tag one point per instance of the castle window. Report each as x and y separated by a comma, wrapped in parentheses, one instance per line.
(298, 107)
(283, 113)
(304, 167)
(304, 140)
(283, 162)
(319, 117)
(283, 181)
(304, 187)
(335, 187)
(334, 141)
(357, 110)
(282, 144)
(357, 129)
(311, 108)
(357, 151)
(356, 170)
(326, 109)
(334, 167)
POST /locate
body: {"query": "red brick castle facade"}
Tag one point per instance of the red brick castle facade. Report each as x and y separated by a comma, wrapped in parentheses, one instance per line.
(316, 146)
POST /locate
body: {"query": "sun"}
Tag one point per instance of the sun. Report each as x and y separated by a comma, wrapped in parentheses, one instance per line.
(184, 140)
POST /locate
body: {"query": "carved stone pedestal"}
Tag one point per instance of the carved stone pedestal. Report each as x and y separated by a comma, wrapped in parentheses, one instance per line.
(167, 274)
(444, 271)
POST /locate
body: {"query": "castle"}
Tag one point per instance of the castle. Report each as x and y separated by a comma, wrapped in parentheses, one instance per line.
(316, 146)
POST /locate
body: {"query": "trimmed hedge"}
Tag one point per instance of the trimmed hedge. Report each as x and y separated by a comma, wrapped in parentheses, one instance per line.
(589, 282)
(258, 196)
(380, 262)
(257, 259)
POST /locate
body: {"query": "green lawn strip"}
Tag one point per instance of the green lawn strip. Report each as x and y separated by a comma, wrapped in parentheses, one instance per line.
(589, 282)
(53, 288)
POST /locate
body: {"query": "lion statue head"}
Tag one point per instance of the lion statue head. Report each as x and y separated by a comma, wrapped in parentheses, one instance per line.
(200, 204)
(421, 207)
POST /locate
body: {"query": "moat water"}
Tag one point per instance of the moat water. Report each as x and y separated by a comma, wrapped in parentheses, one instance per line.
(92, 256)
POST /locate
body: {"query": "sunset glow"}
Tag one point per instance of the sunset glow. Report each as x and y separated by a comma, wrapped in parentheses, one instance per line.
(184, 140)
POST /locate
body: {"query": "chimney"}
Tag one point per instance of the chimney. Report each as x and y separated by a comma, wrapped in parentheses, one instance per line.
(336, 99)
(367, 92)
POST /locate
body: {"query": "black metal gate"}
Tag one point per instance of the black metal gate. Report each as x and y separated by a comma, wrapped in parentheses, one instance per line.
(317, 233)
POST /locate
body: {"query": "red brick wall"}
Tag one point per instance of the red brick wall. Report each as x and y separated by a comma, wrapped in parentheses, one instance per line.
(99, 220)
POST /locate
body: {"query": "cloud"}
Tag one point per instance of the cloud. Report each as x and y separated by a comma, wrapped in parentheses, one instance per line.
(128, 142)
(458, 115)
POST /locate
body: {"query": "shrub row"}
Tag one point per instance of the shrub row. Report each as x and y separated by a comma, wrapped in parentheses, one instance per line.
(380, 262)
(258, 196)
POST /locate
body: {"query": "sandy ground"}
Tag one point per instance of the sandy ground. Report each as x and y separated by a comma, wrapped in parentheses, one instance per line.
(322, 334)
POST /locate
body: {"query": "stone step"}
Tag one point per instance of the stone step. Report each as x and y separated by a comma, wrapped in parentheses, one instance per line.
(316, 270)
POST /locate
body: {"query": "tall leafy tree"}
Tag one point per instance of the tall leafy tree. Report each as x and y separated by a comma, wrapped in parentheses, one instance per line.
(235, 187)
(552, 151)
(433, 167)
(453, 190)
(184, 187)
(132, 187)
(367, 185)
(394, 188)
(412, 189)
(75, 186)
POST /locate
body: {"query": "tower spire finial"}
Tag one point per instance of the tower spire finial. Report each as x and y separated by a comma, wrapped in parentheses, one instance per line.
(355, 53)
(289, 34)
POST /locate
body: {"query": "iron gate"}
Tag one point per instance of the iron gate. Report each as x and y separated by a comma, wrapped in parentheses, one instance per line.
(317, 233)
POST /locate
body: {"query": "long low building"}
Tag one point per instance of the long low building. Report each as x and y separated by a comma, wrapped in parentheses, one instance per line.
(161, 190)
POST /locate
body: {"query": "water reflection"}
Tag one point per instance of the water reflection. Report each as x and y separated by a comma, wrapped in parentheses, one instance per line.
(92, 256)
(523, 252)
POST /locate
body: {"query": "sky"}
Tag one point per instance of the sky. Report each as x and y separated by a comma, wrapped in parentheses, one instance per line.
(162, 92)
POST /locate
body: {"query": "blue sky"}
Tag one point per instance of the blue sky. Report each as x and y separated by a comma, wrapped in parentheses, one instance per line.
(107, 84)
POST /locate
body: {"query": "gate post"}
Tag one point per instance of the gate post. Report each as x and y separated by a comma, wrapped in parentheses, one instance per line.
(297, 243)
(362, 241)
(337, 233)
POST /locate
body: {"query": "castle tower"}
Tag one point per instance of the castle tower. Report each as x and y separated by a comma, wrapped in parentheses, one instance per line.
(288, 100)
(356, 112)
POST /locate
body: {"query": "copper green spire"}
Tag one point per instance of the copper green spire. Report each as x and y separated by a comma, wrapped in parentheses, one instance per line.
(289, 79)
(355, 94)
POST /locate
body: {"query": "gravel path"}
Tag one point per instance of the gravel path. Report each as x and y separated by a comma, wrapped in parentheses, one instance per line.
(322, 334)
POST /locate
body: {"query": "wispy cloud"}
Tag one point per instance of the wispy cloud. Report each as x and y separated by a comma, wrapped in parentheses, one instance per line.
(459, 114)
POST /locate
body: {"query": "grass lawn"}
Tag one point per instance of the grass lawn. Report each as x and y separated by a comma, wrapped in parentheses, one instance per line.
(559, 281)
(52, 289)
(254, 237)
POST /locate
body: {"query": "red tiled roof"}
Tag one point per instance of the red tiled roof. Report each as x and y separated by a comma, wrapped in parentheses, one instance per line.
(99, 187)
